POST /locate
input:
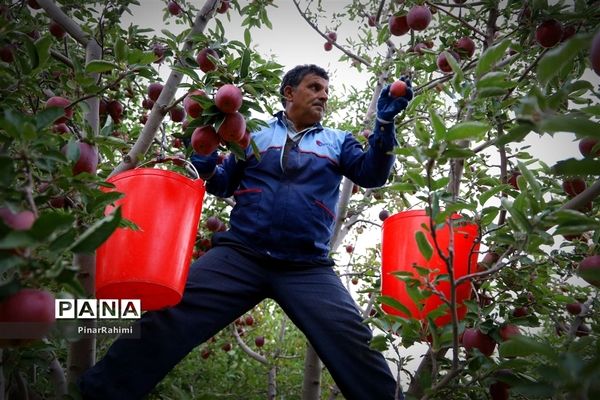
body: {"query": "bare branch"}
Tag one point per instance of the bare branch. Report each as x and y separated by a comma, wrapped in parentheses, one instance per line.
(258, 357)
(316, 28)
(158, 112)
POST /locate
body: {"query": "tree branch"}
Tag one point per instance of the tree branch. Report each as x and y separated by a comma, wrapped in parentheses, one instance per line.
(258, 357)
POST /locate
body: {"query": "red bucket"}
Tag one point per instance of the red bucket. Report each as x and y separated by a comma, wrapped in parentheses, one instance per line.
(400, 253)
(152, 263)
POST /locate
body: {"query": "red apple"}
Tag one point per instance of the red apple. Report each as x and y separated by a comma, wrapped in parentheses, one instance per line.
(33, 4)
(206, 65)
(154, 90)
(327, 46)
(88, 159)
(226, 346)
(192, 107)
(177, 114)
(499, 391)
(589, 270)
(147, 104)
(460, 1)
(56, 30)
(508, 331)
(57, 101)
(174, 8)
(371, 20)
(418, 18)
(103, 107)
(354, 281)
(205, 140)
(228, 98)
(398, 25)
(595, 53)
(383, 215)
(475, 339)
(465, 47)
(115, 110)
(349, 248)
(568, 32)
(244, 142)
(419, 48)
(32, 307)
(574, 186)
(205, 353)
(398, 89)
(548, 33)
(490, 259)
(443, 63)
(520, 312)
(233, 127)
(586, 146)
(7, 54)
(249, 320)
(574, 308)
(331, 36)
(223, 7)
(144, 118)
(20, 221)
(60, 128)
(259, 341)
(213, 223)
(512, 179)
(159, 51)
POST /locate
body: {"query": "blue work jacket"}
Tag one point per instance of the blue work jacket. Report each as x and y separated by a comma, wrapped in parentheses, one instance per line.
(288, 211)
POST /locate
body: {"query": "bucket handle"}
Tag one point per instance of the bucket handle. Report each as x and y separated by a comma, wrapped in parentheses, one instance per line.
(189, 167)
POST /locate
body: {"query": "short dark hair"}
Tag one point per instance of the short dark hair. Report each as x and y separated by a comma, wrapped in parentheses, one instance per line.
(294, 76)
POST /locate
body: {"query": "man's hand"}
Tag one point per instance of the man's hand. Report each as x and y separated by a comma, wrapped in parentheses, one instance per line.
(205, 164)
(388, 107)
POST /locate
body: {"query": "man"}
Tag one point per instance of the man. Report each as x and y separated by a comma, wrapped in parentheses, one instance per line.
(277, 247)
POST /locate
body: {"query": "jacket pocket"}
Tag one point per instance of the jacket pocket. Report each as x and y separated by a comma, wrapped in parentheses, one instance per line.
(247, 206)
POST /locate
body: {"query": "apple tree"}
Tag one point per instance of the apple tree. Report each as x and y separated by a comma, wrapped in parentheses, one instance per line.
(82, 100)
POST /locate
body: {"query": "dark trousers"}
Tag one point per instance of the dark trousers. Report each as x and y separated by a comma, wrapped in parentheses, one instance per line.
(224, 284)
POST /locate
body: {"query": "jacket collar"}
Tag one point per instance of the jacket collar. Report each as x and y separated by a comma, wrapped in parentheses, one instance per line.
(281, 118)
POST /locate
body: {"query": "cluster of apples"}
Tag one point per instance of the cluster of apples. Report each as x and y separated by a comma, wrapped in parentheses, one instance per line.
(206, 139)
(88, 154)
(331, 38)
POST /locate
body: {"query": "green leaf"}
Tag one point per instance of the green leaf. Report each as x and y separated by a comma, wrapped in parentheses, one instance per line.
(531, 181)
(583, 127)
(424, 245)
(438, 124)
(472, 130)
(522, 346)
(490, 56)
(516, 134)
(247, 37)
(96, 234)
(572, 166)
(518, 217)
(43, 49)
(392, 302)
(561, 56)
(485, 196)
(121, 50)
(245, 64)
(16, 239)
(46, 117)
(99, 66)
(402, 187)
(379, 343)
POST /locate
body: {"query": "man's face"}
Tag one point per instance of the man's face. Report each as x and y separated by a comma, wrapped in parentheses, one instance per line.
(305, 104)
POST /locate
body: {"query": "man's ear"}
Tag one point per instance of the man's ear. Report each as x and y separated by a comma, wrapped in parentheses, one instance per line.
(288, 92)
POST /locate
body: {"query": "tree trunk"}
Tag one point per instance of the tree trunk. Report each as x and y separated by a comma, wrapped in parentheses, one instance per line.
(272, 389)
(311, 386)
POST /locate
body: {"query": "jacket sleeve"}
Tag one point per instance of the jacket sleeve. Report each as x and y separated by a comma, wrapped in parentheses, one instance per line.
(227, 177)
(369, 168)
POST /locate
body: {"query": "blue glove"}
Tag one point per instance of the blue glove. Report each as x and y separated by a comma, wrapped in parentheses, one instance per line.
(205, 164)
(388, 107)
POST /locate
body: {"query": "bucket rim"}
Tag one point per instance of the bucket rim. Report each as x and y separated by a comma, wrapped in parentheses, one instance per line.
(414, 213)
(155, 171)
